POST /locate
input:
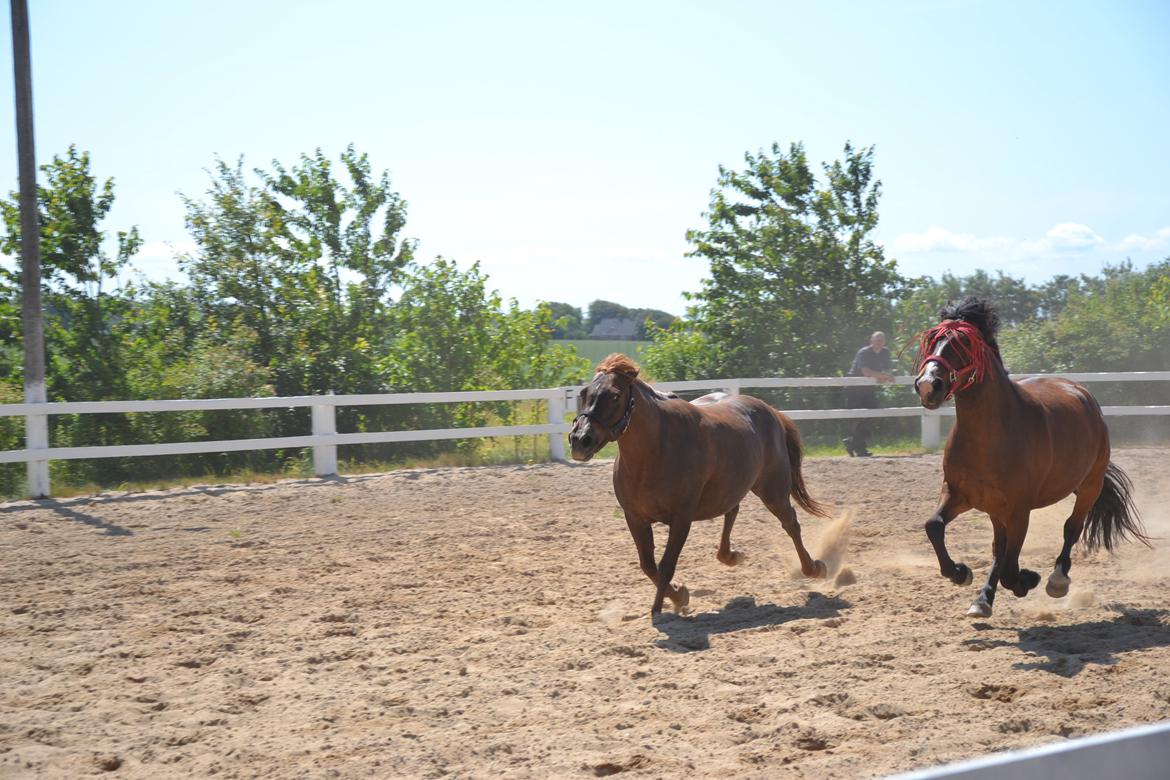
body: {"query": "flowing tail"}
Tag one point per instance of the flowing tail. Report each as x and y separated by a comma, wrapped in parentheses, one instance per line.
(1114, 516)
(795, 454)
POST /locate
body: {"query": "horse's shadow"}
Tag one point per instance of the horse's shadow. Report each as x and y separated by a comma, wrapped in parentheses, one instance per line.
(688, 633)
(1069, 649)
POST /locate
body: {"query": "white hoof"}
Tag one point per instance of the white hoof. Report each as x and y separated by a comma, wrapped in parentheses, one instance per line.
(979, 609)
(1057, 586)
(681, 598)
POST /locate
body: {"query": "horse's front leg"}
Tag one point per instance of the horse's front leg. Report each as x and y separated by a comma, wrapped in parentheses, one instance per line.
(951, 505)
(1018, 581)
(679, 528)
(643, 533)
(982, 605)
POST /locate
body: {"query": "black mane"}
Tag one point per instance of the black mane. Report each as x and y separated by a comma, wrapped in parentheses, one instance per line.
(980, 312)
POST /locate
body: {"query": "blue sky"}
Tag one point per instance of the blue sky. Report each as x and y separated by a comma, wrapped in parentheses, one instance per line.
(568, 148)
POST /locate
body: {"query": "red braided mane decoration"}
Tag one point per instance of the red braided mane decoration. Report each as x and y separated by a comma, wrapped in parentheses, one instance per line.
(968, 341)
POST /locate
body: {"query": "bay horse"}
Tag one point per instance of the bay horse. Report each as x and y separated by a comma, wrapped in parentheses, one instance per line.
(679, 462)
(1016, 446)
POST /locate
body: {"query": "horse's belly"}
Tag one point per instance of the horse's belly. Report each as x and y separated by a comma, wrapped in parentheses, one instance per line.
(717, 501)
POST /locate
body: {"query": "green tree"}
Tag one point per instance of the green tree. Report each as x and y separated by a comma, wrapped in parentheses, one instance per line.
(84, 299)
(304, 259)
(1118, 321)
(1015, 300)
(568, 322)
(82, 292)
(451, 333)
(796, 281)
(603, 310)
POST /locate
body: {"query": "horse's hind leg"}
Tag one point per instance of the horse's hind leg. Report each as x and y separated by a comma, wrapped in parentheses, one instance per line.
(726, 554)
(784, 511)
(643, 534)
(1059, 581)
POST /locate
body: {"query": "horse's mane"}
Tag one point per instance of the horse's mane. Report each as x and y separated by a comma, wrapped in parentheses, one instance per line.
(980, 312)
(617, 363)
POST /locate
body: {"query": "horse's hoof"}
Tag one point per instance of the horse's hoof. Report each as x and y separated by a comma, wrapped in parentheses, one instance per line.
(1057, 586)
(822, 570)
(1028, 579)
(979, 609)
(680, 598)
(734, 558)
(962, 575)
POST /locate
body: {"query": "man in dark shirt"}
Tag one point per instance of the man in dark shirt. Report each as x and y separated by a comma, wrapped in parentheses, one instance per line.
(873, 361)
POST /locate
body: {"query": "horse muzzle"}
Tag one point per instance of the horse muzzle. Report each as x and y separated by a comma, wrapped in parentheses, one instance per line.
(930, 387)
(584, 442)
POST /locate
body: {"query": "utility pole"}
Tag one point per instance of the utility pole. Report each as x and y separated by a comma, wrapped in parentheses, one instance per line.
(36, 425)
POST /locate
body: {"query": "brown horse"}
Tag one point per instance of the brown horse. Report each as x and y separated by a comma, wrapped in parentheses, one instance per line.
(679, 462)
(1015, 447)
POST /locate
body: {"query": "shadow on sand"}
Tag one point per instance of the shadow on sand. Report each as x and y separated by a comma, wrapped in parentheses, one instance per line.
(688, 633)
(1068, 649)
(110, 529)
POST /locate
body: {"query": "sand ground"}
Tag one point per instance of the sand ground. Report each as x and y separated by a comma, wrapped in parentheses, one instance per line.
(488, 622)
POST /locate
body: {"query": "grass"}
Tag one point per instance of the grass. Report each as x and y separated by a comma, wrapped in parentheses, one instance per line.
(892, 447)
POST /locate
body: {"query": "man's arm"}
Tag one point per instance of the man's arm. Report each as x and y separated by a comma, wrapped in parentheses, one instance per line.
(881, 377)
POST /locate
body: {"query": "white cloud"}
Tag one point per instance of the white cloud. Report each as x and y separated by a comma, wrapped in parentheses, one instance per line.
(938, 239)
(1072, 235)
(1067, 247)
(1067, 236)
(1158, 240)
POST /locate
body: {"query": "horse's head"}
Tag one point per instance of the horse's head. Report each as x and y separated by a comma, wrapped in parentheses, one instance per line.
(606, 405)
(956, 353)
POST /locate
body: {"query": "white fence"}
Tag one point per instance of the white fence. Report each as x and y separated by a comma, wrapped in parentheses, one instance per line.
(324, 438)
(1141, 753)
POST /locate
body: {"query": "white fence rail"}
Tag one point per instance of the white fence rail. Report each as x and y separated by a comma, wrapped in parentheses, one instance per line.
(324, 438)
(1141, 753)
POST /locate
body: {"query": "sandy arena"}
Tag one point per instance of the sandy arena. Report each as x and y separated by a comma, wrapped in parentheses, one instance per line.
(488, 622)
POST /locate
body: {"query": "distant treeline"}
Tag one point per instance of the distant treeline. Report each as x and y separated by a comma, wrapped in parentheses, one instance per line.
(302, 281)
(570, 323)
(796, 284)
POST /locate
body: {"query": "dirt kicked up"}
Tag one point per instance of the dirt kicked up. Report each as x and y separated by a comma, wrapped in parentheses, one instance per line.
(491, 622)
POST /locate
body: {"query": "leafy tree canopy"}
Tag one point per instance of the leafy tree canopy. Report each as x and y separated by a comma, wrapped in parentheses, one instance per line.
(795, 276)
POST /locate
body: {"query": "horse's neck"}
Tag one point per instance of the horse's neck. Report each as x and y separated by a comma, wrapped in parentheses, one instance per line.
(641, 436)
(987, 405)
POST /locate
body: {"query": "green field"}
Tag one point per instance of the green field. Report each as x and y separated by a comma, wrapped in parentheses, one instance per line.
(597, 349)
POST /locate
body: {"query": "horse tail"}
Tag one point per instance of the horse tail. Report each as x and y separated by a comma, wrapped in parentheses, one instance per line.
(1113, 516)
(795, 455)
